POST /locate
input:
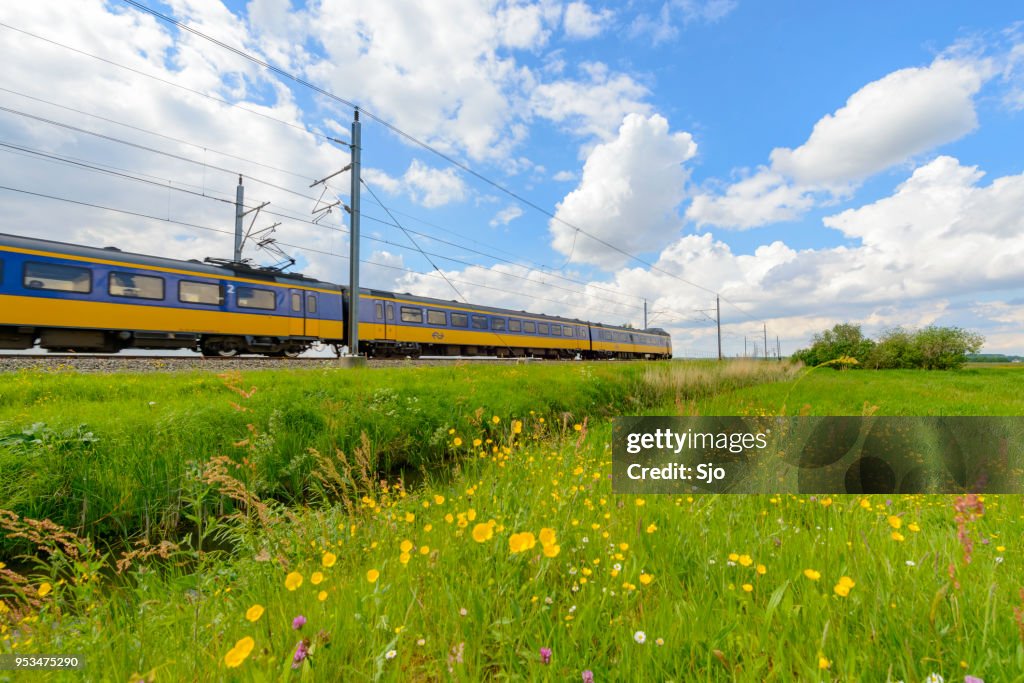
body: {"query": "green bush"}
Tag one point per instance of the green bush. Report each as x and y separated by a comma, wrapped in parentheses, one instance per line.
(931, 348)
(843, 341)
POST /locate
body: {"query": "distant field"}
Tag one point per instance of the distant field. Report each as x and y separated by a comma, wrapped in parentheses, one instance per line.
(514, 560)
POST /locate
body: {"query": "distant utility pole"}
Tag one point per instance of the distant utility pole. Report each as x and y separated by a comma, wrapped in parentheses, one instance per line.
(645, 314)
(744, 346)
(765, 339)
(239, 214)
(778, 348)
(718, 320)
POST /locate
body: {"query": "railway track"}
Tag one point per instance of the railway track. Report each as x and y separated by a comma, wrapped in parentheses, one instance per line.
(100, 363)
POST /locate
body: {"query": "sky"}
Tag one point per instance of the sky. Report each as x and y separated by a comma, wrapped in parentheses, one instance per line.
(809, 163)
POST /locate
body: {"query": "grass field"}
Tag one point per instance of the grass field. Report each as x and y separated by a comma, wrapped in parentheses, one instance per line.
(514, 560)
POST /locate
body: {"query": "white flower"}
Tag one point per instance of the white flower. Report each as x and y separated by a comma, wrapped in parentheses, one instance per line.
(421, 642)
(585, 539)
(617, 567)
(999, 560)
(641, 637)
(934, 678)
(911, 563)
(659, 642)
(730, 563)
(391, 654)
(463, 611)
(711, 562)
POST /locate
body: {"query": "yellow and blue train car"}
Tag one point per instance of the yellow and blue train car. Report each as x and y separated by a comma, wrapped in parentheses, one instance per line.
(66, 296)
(70, 297)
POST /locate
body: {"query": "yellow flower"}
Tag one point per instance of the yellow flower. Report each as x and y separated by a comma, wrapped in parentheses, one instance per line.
(517, 427)
(457, 441)
(748, 588)
(372, 576)
(1000, 548)
(577, 427)
(404, 558)
(424, 550)
(317, 578)
(895, 522)
(745, 560)
(842, 589)
(652, 527)
(646, 579)
(897, 536)
(812, 575)
(321, 596)
(449, 518)
(495, 419)
(733, 557)
(293, 581)
(761, 569)
(239, 652)
(405, 546)
(410, 517)
(254, 613)
(914, 527)
(44, 589)
(552, 550)
(438, 500)
(521, 542)
(640, 502)
(547, 537)
(865, 503)
(483, 532)
(823, 663)
(328, 559)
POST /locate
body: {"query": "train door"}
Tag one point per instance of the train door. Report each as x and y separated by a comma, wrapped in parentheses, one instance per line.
(297, 317)
(389, 320)
(312, 314)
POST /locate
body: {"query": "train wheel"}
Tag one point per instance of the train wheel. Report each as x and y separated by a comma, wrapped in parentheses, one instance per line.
(291, 353)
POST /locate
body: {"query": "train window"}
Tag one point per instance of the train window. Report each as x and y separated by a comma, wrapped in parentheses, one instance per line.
(529, 327)
(542, 328)
(556, 330)
(391, 312)
(135, 286)
(498, 324)
(57, 278)
(412, 315)
(515, 325)
(379, 310)
(200, 293)
(460, 320)
(567, 330)
(436, 318)
(310, 303)
(296, 302)
(250, 297)
(479, 322)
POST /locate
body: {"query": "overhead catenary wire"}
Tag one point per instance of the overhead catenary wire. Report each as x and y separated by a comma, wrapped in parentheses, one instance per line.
(411, 138)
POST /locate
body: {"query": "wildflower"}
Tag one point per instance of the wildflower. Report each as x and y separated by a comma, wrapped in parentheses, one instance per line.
(254, 613)
(588, 676)
(44, 589)
(640, 502)
(748, 588)
(640, 637)
(421, 642)
(897, 536)
(865, 503)
(298, 622)
(761, 569)
(405, 546)
(652, 527)
(521, 542)
(404, 558)
(823, 662)
(812, 574)
(457, 442)
(578, 427)
(424, 550)
(895, 522)
(517, 427)
(659, 642)
(972, 679)
(547, 537)
(463, 611)
(646, 579)
(293, 581)
(842, 589)
(911, 563)
(438, 500)
(391, 654)
(372, 576)
(545, 655)
(745, 560)
(495, 419)
(239, 652)
(733, 557)
(317, 578)
(321, 596)
(914, 527)
(934, 678)
(483, 532)
(999, 549)
(410, 517)
(553, 550)
(328, 560)
(301, 652)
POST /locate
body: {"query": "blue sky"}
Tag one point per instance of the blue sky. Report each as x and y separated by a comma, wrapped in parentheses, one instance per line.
(814, 163)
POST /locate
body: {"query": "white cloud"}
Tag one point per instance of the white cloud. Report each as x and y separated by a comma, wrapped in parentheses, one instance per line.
(663, 27)
(582, 22)
(506, 216)
(564, 176)
(593, 105)
(432, 187)
(885, 123)
(629, 193)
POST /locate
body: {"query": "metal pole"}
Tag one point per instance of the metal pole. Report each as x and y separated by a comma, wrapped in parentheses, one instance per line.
(353, 269)
(645, 314)
(765, 339)
(778, 348)
(718, 319)
(239, 212)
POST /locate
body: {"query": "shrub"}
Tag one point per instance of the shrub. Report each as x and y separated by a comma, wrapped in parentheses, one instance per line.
(843, 341)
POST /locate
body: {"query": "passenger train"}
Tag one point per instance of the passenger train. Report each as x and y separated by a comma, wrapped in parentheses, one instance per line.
(69, 297)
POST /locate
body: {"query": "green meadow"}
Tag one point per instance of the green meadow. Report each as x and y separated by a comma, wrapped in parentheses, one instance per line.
(457, 523)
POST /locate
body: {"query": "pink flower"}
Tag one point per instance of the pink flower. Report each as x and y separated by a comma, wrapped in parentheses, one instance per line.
(588, 676)
(545, 655)
(972, 679)
(298, 622)
(301, 652)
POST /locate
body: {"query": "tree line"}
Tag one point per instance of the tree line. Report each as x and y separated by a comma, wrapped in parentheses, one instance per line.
(929, 348)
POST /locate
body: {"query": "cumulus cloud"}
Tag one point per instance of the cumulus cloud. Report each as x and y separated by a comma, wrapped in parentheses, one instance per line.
(564, 176)
(629, 194)
(885, 123)
(582, 22)
(432, 187)
(593, 105)
(506, 216)
(664, 25)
